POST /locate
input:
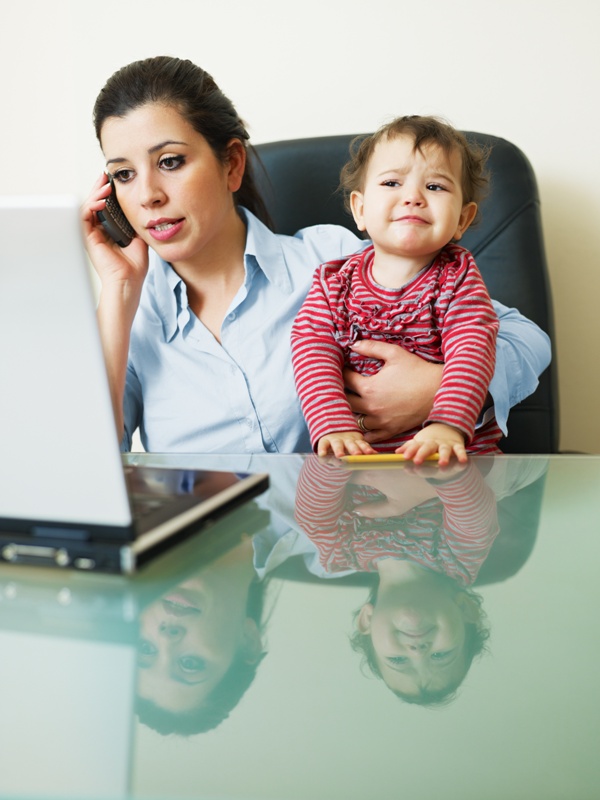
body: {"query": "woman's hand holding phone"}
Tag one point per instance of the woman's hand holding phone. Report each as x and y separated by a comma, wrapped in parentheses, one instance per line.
(122, 272)
(113, 263)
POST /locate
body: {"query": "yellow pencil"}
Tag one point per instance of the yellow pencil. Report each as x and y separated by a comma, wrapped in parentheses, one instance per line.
(365, 459)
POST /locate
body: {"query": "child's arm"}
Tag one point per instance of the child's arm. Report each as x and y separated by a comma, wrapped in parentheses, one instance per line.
(400, 396)
(469, 327)
(321, 496)
(470, 517)
(318, 362)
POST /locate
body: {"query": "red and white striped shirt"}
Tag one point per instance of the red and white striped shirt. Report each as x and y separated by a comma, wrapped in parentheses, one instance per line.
(451, 533)
(444, 314)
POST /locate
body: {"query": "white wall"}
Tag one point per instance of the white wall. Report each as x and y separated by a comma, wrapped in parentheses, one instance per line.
(524, 69)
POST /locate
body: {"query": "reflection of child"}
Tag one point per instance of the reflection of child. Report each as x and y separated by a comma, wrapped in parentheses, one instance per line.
(419, 631)
(446, 523)
(425, 541)
(413, 187)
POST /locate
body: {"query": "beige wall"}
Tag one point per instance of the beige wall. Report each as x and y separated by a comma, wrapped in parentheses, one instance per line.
(525, 70)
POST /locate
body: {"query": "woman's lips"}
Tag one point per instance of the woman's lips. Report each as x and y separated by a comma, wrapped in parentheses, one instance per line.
(180, 603)
(164, 229)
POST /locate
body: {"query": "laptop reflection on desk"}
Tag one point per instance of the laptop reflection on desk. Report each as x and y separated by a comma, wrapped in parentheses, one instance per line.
(69, 651)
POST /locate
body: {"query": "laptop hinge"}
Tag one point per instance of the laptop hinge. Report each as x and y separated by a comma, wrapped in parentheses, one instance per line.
(78, 534)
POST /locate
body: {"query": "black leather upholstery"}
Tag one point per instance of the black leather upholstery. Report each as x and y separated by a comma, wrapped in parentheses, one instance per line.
(299, 184)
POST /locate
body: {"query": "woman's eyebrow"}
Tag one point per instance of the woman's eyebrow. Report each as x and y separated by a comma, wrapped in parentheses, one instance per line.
(164, 144)
(153, 149)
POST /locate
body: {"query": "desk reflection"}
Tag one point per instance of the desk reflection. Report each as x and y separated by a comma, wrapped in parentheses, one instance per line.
(82, 654)
(421, 536)
(224, 643)
(202, 641)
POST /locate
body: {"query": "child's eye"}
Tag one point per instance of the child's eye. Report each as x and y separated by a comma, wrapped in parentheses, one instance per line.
(123, 175)
(391, 183)
(436, 187)
(442, 655)
(171, 163)
(398, 660)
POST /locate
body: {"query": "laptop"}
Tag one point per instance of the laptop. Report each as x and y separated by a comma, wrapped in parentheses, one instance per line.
(66, 500)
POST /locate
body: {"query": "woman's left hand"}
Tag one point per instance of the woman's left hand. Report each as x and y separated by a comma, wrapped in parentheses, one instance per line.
(399, 397)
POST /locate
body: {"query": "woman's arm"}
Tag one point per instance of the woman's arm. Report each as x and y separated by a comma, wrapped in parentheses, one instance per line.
(397, 398)
(400, 396)
(523, 352)
(122, 273)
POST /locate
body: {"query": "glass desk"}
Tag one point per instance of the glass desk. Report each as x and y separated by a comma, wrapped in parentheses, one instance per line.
(350, 633)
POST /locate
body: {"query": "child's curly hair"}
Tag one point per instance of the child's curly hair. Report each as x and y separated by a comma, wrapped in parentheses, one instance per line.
(424, 131)
(476, 637)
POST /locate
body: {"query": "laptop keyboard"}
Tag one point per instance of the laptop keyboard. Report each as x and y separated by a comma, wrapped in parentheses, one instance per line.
(144, 504)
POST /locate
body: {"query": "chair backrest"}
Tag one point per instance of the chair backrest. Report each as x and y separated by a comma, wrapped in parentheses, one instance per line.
(299, 181)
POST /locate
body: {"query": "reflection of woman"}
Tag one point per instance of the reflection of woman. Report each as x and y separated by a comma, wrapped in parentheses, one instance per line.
(201, 644)
(197, 346)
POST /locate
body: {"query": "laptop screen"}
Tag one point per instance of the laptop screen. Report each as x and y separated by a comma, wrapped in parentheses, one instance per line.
(60, 455)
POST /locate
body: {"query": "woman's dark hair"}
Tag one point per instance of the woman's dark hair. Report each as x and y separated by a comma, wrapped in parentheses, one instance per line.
(181, 84)
(215, 709)
(224, 697)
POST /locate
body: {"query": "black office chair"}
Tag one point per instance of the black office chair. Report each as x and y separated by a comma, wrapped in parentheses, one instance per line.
(299, 184)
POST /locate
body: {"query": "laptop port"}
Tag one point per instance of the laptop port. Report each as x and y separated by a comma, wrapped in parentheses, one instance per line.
(35, 554)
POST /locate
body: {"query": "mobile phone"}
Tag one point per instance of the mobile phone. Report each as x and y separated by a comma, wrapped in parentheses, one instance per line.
(114, 221)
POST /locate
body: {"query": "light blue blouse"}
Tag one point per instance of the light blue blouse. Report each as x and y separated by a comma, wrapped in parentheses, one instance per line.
(189, 394)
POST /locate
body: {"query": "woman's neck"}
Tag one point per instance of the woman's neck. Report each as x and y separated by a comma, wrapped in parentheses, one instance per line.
(220, 258)
(214, 276)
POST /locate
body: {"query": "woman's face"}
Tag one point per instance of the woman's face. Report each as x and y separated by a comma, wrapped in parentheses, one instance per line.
(172, 188)
(189, 639)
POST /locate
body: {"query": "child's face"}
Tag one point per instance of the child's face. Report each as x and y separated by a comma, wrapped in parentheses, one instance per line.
(411, 204)
(418, 634)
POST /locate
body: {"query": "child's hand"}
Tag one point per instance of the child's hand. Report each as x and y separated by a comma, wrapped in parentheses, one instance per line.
(436, 438)
(344, 443)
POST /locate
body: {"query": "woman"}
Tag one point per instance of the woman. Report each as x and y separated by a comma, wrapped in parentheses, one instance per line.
(195, 314)
(202, 642)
